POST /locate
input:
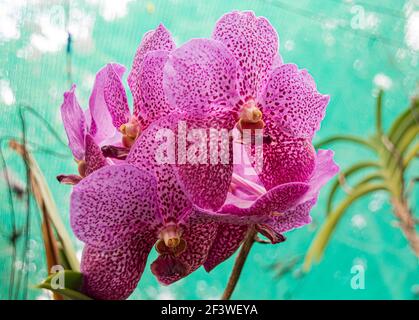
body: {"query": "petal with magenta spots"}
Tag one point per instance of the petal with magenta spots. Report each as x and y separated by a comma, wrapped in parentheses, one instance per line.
(112, 204)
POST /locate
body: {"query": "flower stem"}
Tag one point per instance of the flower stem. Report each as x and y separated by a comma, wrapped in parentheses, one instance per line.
(407, 223)
(238, 264)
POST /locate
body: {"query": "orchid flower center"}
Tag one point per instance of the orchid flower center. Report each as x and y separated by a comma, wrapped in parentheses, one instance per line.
(250, 112)
(250, 116)
(171, 236)
(171, 241)
(130, 131)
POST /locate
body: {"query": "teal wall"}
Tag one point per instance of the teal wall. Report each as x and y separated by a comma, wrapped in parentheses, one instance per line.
(322, 36)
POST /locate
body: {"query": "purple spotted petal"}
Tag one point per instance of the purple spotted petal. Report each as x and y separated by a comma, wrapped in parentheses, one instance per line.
(289, 220)
(285, 158)
(199, 77)
(149, 153)
(254, 43)
(74, 123)
(292, 101)
(226, 242)
(237, 216)
(199, 235)
(94, 157)
(276, 200)
(168, 269)
(115, 96)
(325, 169)
(205, 173)
(154, 103)
(102, 127)
(277, 62)
(113, 204)
(158, 39)
(114, 274)
(197, 177)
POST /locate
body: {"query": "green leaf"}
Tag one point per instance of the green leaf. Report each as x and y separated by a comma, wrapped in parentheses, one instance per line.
(346, 174)
(378, 112)
(396, 158)
(322, 238)
(409, 137)
(347, 138)
(413, 153)
(404, 122)
(371, 177)
(54, 215)
(72, 283)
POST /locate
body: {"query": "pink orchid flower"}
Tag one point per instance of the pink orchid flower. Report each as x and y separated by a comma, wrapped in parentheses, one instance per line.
(240, 71)
(120, 211)
(199, 213)
(108, 123)
(237, 78)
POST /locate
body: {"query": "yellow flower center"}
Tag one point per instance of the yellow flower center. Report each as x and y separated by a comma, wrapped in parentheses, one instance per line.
(81, 166)
(130, 131)
(250, 112)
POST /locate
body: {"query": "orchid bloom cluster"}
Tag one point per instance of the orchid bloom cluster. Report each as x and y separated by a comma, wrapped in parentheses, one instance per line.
(194, 209)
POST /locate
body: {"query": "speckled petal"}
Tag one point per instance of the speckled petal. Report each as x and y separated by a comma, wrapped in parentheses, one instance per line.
(231, 214)
(289, 220)
(254, 43)
(112, 204)
(325, 169)
(200, 77)
(101, 127)
(114, 274)
(158, 39)
(144, 154)
(74, 123)
(277, 61)
(227, 241)
(199, 234)
(154, 103)
(285, 158)
(278, 199)
(167, 268)
(206, 181)
(94, 157)
(293, 102)
(115, 96)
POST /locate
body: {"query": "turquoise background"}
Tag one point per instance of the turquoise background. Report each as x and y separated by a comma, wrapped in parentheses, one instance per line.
(350, 48)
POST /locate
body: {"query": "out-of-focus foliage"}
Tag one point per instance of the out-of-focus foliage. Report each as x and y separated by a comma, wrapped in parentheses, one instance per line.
(394, 152)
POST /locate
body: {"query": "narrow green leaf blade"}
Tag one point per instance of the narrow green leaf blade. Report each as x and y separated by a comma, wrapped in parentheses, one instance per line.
(322, 238)
(72, 285)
